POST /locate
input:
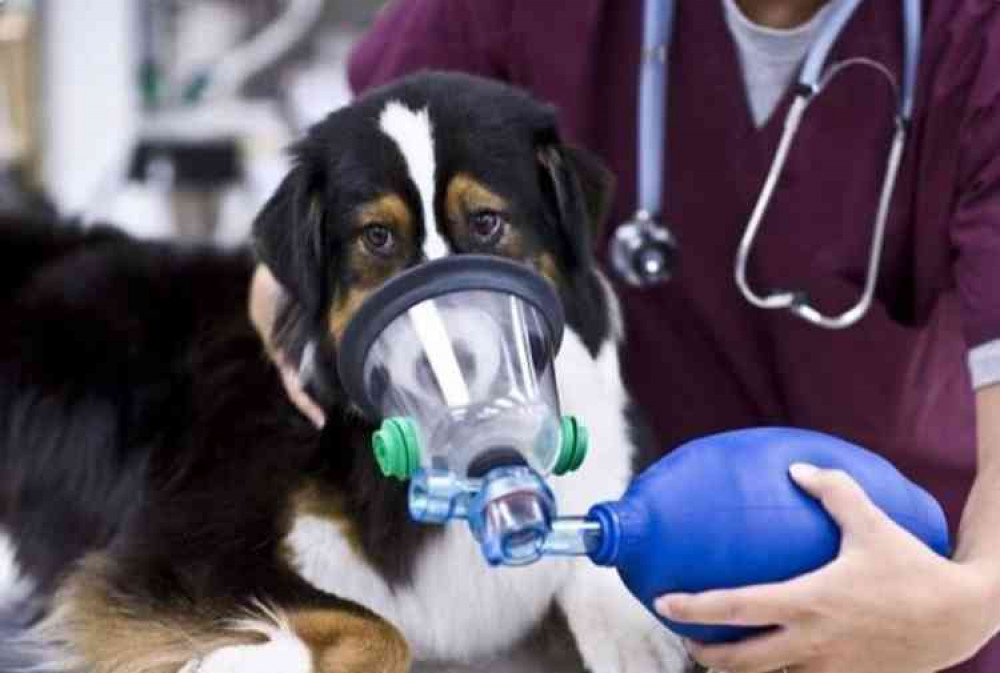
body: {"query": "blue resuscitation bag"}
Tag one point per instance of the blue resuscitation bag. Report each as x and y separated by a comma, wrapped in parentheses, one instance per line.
(722, 512)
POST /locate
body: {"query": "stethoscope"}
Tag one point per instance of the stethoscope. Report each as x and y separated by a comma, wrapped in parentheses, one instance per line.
(644, 250)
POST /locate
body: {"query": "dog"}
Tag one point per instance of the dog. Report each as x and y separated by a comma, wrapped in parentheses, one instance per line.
(186, 487)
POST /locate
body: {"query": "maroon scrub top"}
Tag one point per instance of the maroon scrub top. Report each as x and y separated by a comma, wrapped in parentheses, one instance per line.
(698, 357)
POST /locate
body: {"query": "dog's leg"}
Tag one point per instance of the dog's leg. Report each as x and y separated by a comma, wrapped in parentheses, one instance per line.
(98, 628)
(280, 650)
(613, 631)
(351, 643)
(311, 641)
(93, 627)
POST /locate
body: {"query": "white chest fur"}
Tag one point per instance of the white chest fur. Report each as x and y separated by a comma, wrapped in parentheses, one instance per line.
(458, 608)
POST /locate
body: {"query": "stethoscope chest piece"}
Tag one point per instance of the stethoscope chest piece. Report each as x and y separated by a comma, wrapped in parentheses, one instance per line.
(643, 251)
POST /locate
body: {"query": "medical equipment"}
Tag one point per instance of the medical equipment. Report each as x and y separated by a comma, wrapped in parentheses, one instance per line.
(722, 512)
(456, 357)
(644, 251)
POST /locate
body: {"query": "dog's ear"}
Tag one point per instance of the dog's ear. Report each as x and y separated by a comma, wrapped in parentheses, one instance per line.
(288, 236)
(580, 189)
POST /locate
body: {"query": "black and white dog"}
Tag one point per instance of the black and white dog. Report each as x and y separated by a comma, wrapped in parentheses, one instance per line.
(162, 494)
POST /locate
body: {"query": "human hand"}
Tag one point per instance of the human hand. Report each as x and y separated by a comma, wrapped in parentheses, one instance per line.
(263, 299)
(886, 604)
(298, 396)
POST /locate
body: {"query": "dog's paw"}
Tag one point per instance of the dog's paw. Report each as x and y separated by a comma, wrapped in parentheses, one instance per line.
(283, 655)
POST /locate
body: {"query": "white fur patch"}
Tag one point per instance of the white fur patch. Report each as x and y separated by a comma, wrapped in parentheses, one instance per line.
(14, 586)
(283, 652)
(412, 132)
(591, 389)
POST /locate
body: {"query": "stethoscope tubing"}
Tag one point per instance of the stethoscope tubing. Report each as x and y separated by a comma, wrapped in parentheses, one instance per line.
(813, 77)
(658, 23)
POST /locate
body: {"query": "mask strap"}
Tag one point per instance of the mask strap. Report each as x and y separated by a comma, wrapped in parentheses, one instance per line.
(433, 334)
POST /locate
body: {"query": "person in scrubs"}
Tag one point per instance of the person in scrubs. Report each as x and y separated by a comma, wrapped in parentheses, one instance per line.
(914, 380)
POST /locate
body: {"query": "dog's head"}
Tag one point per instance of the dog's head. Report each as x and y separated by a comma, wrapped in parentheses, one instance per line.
(436, 164)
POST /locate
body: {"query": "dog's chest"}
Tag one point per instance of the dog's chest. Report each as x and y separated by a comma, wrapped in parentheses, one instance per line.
(457, 607)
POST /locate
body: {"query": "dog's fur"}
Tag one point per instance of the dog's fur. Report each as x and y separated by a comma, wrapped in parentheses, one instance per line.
(173, 508)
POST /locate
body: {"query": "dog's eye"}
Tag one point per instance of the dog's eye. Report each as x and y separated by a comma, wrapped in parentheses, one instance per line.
(487, 226)
(379, 239)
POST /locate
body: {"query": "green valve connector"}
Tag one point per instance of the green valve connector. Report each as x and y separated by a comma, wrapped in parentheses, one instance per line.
(575, 441)
(397, 450)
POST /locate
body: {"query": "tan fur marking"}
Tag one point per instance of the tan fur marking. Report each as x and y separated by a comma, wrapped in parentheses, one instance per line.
(466, 194)
(343, 643)
(344, 307)
(390, 210)
(310, 500)
(367, 270)
(546, 265)
(513, 245)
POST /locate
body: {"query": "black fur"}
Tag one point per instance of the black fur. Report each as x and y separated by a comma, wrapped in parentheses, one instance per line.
(139, 413)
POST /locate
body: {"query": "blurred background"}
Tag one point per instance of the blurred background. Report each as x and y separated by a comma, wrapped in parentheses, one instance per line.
(167, 117)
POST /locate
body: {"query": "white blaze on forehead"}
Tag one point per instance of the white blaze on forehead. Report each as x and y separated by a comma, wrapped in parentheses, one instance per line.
(411, 131)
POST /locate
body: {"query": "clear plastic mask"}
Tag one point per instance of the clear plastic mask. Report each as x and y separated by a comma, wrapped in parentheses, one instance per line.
(462, 348)
(473, 370)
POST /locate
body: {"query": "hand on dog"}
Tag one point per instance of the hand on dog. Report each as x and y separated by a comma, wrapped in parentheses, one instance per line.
(301, 400)
(886, 604)
(263, 301)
